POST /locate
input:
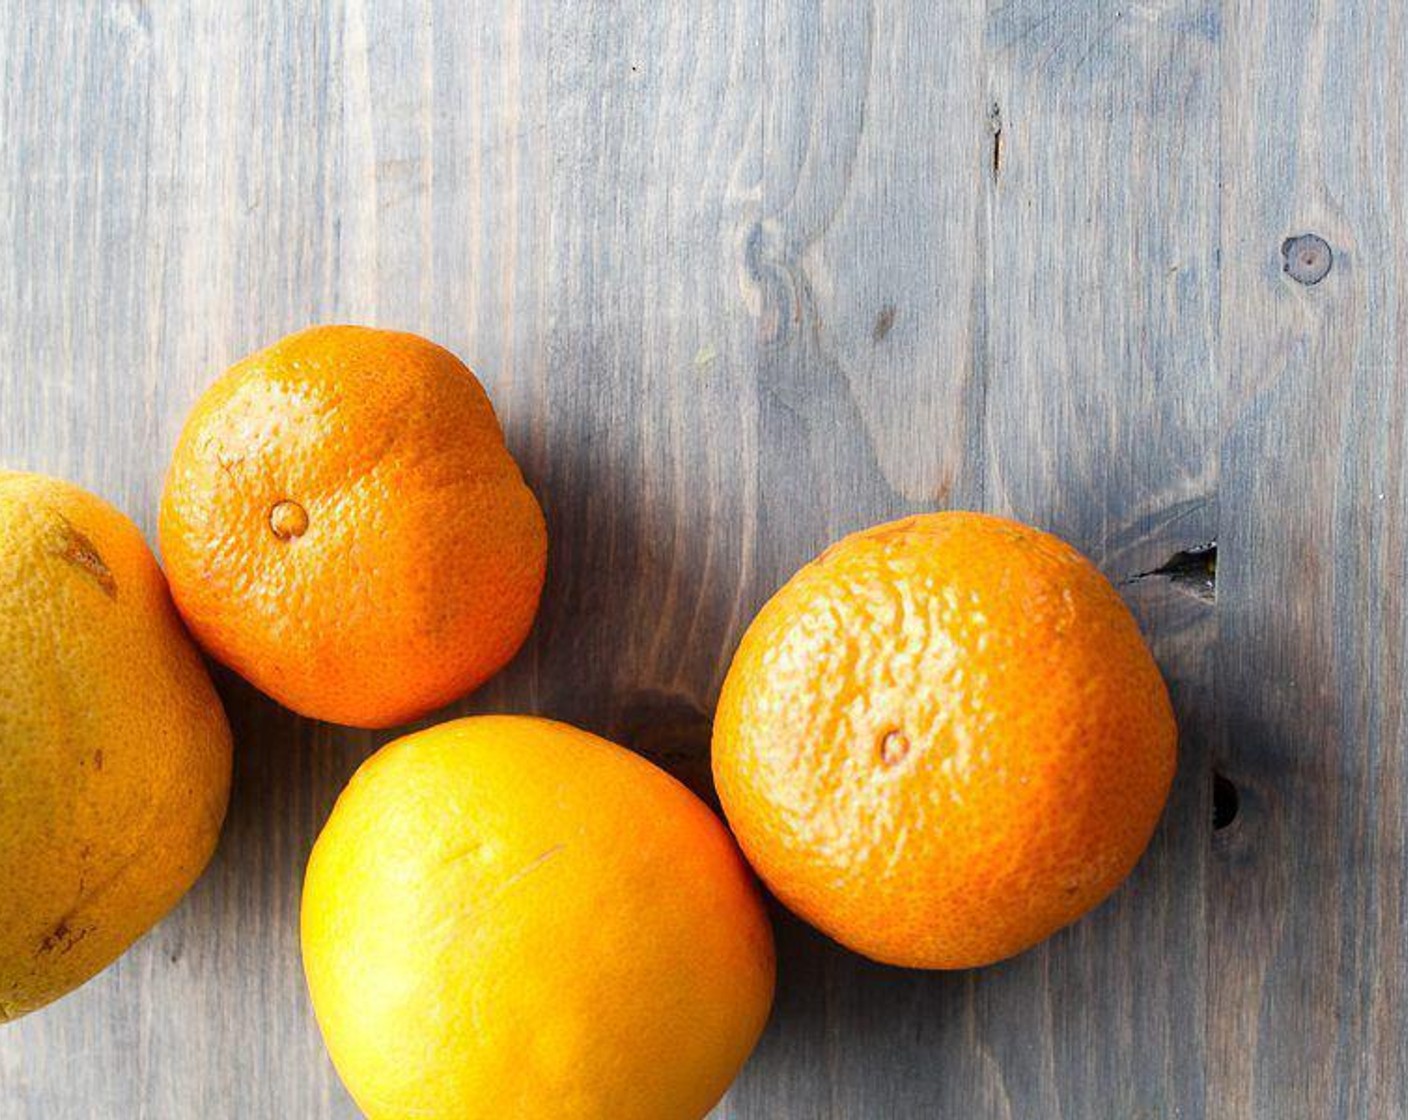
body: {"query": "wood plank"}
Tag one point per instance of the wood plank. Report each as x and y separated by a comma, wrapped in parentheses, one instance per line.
(1306, 901)
(159, 226)
(522, 188)
(1101, 415)
(861, 272)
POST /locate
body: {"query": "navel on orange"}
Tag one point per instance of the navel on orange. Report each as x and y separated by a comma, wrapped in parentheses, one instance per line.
(343, 526)
(944, 740)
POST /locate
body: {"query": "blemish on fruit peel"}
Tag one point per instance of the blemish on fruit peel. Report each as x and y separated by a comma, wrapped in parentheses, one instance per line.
(894, 748)
(288, 519)
(79, 551)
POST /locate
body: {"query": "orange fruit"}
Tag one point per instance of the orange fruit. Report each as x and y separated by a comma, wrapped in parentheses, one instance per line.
(943, 740)
(509, 917)
(343, 526)
(114, 750)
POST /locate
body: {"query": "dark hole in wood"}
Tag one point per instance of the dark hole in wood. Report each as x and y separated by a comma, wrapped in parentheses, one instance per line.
(1307, 258)
(1225, 802)
(1193, 570)
(883, 322)
(995, 127)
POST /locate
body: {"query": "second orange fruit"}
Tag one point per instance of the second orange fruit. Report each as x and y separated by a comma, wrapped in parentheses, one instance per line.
(343, 525)
(943, 740)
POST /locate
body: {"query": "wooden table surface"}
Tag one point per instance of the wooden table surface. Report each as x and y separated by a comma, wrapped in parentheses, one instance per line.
(741, 277)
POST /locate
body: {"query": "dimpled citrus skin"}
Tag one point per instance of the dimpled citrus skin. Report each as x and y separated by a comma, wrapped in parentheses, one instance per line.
(507, 918)
(944, 740)
(114, 750)
(344, 527)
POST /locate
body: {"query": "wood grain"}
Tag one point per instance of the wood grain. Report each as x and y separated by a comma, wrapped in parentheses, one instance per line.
(741, 278)
(1307, 930)
(1101, 424)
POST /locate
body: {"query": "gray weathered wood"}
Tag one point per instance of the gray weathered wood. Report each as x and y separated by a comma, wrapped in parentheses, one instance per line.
(1101, 424)
(1306, 905)
(741, 278)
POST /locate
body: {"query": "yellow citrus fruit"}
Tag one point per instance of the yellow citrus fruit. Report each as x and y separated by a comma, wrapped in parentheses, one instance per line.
(343, 526)
(944, 740)
(509, 917)
(114, 750)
